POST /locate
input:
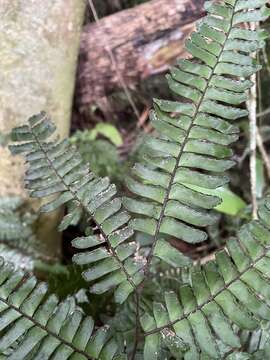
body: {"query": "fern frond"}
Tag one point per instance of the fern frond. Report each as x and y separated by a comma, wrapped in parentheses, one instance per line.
(34, 325)
(56, 170)
(192, 146)
(229, 293)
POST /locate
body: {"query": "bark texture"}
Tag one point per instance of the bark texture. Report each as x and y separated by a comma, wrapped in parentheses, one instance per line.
(144, 40)
(38, 55)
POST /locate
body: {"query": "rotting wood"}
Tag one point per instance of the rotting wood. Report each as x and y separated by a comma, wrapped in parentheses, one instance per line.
(144, 40)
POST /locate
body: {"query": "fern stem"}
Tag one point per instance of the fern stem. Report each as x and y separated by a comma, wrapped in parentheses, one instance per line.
(260, 142)
(168, 190)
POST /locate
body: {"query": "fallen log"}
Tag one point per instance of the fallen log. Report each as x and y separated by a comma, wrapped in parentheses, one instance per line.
(144, 41)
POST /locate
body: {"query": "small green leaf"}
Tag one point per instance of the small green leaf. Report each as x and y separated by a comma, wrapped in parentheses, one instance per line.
(109, 131)
(231, 203)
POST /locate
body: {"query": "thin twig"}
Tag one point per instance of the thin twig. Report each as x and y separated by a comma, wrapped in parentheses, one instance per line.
(114, 65)
(263, 152)
(265, 58)
(263, 113)
(253, 145)
(252, 106)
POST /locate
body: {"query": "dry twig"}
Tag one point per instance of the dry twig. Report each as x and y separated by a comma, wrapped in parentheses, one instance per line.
(252, 106)
(114, 65)
(264, 154)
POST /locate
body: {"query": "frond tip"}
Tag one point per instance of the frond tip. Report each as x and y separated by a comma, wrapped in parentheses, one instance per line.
(34, 325)
(56, 170)
(229, 293)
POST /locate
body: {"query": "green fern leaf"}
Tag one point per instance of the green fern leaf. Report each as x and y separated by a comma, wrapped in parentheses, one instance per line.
(56, 171)
(192, 146)
(229, 293)
(34, 325)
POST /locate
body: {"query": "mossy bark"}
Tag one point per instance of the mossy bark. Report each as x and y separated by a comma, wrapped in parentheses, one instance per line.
(38, 55)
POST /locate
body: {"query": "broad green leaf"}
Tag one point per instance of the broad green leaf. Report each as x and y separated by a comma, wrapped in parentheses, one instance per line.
(231, 204)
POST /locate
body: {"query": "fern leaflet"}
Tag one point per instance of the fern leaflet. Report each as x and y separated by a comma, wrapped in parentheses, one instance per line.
(56, 168)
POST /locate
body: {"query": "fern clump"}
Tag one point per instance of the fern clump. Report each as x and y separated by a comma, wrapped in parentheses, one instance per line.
(207, 315)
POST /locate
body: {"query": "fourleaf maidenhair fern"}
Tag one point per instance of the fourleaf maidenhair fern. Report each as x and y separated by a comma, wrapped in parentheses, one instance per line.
(34, 325)
(228, 296)
(57, 168)
(192, 148)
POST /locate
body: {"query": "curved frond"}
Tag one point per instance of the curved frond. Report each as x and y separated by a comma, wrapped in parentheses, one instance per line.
(34, 325)
(223, 296)
(56, 170)
(194, 135)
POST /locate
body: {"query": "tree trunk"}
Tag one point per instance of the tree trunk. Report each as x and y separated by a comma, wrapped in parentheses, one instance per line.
(144, 40)
(39, 48)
